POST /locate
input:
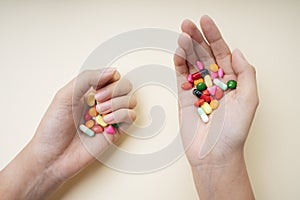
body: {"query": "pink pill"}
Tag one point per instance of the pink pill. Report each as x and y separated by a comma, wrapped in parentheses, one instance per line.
(199, 65)
(220, 72)
(190, 78)
(212, 90)
(110, 130)
(213, 74)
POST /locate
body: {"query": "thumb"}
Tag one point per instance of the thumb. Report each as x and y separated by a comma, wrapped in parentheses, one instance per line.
(246, 76)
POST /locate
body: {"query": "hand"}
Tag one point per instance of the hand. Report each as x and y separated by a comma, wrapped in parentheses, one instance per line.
(217, 148)
(57, 151)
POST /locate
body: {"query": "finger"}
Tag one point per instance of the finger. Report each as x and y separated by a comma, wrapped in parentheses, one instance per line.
(219, 47)
(121, 115)
(181, 67)
(120, 88)
(180, 62)
(185, 42)
(93, 78)
(246, 77)
(116, 104)
(201, 47)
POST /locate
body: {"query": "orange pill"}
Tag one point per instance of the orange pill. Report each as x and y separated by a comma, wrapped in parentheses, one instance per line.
(214, 104)
(200, 80)
(93, 112)
(213, 67)
(90, 123)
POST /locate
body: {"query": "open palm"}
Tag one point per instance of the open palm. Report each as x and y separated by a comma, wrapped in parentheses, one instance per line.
(226, 132)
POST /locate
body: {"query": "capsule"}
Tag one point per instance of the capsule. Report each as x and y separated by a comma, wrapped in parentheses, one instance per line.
(86, 130)
(203, 115)
(200, 80)
(197, 93)
(204, 72)
(207, 81)
(220, 84)
(196, 75)
(206, 107)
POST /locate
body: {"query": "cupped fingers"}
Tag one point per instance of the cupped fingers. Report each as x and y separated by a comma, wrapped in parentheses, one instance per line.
(116, 89)
(121, 115)
(116, 104)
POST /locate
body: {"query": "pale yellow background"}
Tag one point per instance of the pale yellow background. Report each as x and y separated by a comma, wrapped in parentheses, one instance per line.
(44, 43)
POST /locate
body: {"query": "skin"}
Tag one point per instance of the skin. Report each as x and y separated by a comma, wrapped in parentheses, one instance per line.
(57, 152)
(219, 173)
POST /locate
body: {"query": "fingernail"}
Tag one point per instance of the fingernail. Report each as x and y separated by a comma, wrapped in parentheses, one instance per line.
(100, 95)
(108, 118)
(102, 107)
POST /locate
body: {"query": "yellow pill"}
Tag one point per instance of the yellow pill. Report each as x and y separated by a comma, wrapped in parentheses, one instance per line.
(206, 107)
(198, 81)
(90, 99)
(214, 104)
(207, 81)
(100, 121)
(213, 67)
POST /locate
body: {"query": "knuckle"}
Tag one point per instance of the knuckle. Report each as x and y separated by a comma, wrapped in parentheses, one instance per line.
(132, 102)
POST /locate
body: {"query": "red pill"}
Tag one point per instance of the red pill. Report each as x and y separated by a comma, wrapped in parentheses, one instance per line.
(196, 76)
(87, 116)
(219, 93)
(187, 86)
(98, 129)
(199, 102)
(206, 92)
(205, 98)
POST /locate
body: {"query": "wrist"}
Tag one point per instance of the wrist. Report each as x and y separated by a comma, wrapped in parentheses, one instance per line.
(223, 179)
(26, 178)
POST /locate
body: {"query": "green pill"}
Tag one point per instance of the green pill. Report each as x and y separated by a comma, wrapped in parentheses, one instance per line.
(201, 86)
(231, 84)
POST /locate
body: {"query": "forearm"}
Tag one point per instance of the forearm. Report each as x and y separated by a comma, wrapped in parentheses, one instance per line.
(228, 181)
(25, 178)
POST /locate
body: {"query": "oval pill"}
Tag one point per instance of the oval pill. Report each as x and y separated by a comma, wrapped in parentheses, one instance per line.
(219, 93)
(199, 65)
(100, 121)
(220, 84)
(214, 104)
(93, 112)
(213, 67)
(90, 123)
(90, 99)
(220, 72)
(213, 75)
(87, 116)
(98, 129)
(190, 79)
(203, 115)
(206, 107)
(86, 130)
(187, 86)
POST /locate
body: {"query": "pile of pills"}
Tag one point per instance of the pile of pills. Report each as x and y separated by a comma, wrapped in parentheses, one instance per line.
(208, 88)
(93, 121)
